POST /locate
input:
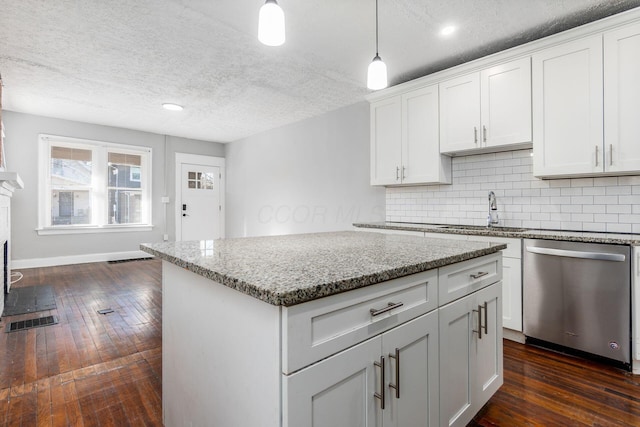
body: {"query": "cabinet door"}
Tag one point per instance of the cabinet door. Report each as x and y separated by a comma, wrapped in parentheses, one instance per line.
(338, 391)
(460, 114)
(506, 104)
(458, 321)
(622, 99)
(421, 159)
(512, 293)
(567, 109)
(412, 354)
(489, 376)
(386, 135)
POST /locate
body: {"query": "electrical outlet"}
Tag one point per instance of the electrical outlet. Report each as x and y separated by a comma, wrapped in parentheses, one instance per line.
(165, 237)
(165, 199)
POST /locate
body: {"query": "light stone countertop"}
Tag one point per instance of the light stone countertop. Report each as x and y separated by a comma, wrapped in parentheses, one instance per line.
(292, 269)
(517, 233)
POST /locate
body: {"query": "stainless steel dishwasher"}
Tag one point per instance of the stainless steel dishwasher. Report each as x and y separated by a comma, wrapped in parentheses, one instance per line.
(578, 296)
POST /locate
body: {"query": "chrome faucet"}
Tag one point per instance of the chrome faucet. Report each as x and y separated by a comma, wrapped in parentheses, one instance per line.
(492, 218)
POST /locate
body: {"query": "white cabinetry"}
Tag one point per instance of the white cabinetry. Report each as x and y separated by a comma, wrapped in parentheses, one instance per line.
(622, 99)
(487, 110)
(635, 309)
(399, 366)
(471, 367)
(405, 140)
(511, 278)
(578, 130)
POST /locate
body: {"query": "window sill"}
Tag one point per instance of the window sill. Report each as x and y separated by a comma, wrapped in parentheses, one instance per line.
(93, 229)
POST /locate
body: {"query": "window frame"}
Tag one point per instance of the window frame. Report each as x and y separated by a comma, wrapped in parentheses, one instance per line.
(99, 185)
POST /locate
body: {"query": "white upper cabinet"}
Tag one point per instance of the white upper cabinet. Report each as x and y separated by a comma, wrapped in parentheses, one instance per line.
(488, 110)
(568, 109)
(586, 102)
(622, 99)
(405, 140)
(386, 133)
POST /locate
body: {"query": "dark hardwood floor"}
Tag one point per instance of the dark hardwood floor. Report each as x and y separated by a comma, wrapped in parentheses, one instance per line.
(105, 370)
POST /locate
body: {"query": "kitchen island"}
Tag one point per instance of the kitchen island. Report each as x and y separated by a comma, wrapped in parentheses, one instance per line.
(303, 330)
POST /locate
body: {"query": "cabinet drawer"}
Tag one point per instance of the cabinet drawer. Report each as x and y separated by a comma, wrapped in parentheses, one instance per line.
(317, 329)
(458, 280)
(514, 246)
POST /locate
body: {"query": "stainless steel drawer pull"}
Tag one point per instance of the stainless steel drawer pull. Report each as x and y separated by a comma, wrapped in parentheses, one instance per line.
(390, 306)
(479, 331)
(486, 319)
(479, 274)
(602, 256)
(380, 396)
(396, 386)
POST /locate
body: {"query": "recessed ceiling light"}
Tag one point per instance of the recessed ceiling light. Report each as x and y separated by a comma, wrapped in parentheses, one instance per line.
(448, 30)
(172, 107)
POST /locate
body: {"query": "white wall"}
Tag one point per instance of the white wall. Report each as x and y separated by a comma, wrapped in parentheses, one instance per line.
(21, 148)
(585, 204)
(305, 177)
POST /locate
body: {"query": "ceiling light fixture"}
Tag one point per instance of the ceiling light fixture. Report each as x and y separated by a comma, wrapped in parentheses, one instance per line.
(377, 72)
(271, 24)
(172, 107)
(448, 30)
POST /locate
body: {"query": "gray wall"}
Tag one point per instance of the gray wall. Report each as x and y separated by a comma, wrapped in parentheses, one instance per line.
(21, 148)
(305, 177)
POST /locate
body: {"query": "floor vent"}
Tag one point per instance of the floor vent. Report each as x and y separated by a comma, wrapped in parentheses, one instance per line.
(118, 261)
(32, 323)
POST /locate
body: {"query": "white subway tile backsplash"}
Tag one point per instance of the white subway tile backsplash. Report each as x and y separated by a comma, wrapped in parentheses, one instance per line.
(609, 204)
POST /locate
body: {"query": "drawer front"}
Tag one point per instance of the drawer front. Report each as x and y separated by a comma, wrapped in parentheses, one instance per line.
(457, 280)
(317, 329)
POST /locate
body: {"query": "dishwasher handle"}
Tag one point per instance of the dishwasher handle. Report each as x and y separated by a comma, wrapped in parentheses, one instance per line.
(601, 256)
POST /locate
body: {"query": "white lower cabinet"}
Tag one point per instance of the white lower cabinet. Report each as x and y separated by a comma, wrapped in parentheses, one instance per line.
(470, 354)
(389, 380)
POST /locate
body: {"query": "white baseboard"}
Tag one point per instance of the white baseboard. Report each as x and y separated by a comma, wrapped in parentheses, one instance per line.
(18, 264)
(512, 335)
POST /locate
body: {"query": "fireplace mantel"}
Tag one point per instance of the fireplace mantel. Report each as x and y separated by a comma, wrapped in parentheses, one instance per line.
(10, 181)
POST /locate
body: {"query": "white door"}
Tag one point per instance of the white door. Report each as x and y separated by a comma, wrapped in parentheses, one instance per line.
(420, 139)
(199, 197)
(568, 109)
(506, 103)
(460, 113)
(413, 380)
(386, 132)
(336, 392)
(622, 99)
(458, 324)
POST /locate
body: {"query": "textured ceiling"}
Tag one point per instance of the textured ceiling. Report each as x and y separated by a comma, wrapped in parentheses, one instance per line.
(115, 62)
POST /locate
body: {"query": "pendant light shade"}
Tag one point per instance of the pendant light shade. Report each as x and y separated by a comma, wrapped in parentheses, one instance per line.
(271, 24)
(377, 72)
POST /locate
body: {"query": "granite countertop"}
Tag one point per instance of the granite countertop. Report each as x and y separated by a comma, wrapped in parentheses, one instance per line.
(292, 269)
(517, 233)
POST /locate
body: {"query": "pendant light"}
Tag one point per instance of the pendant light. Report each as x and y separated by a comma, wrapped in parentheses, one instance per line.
(377, 72)
(271, 24)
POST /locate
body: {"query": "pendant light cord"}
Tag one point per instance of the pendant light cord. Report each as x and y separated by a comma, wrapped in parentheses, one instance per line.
(377, 28)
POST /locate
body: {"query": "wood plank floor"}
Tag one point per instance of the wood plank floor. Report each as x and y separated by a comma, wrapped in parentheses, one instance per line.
(105, 370)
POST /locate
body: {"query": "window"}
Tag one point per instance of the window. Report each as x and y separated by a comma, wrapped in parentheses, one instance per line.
(91, 185)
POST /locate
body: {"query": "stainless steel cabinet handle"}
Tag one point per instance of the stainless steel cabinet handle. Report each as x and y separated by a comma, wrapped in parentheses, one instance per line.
(486, 320)
(403, 172)
(484, 133)
(380, 396)
(390, 306)
(397, 173)
(610, 154)
(396, 386)
(479, 331)
(479, 274)
(597, 155)
(601, 256)
(475, 135)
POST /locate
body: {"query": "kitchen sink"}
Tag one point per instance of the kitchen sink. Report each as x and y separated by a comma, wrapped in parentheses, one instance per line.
(481, 227)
